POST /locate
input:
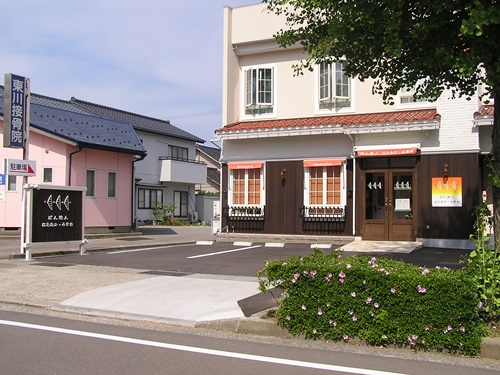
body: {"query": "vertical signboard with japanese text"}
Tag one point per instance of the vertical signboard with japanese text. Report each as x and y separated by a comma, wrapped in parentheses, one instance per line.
(16, 108)
(56, 215)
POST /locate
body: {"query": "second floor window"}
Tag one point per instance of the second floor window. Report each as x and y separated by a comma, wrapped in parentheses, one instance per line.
(334, 86)
(258, 93)
(178, 153)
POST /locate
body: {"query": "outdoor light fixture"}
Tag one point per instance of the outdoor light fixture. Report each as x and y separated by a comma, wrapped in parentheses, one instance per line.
(283, 174)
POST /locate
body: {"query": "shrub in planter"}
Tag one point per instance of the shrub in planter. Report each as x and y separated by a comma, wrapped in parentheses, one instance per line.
(378, 300)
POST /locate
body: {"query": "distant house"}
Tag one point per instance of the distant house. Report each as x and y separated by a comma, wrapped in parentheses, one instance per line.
(170, 172)
(72, 148)
(210, 156)
(318, 154)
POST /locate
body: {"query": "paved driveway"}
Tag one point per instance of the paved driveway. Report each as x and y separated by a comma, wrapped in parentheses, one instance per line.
(234, 260)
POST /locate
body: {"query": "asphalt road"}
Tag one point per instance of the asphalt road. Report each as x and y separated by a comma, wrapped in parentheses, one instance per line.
(229, 259)
(36, 344)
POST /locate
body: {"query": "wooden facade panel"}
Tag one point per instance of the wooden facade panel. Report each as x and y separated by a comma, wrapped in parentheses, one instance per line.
(448, 222)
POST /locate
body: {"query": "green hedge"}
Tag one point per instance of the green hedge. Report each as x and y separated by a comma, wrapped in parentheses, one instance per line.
(379, 300)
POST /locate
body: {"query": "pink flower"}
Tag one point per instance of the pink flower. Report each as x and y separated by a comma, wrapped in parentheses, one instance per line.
(320, 312)
(341, 274)
(354, 318)
(368, 300)
(348, 265)
(427, 328)
(346, 337)
(393, 290)
(462, 328)
(342, 281)
(425, 271)
(288, 317)
(314, 331)
(421, 289)
(304, 307)
(376, 305)
(353, 294)
(313, 273)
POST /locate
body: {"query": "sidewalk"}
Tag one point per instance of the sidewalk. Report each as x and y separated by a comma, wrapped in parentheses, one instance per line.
(198, 300)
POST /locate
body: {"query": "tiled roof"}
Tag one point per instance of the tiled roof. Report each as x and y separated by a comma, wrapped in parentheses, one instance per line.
(84, 130)
(52, 102)
(389, 118)
(485, 110)
(212, 152)
(139, 122)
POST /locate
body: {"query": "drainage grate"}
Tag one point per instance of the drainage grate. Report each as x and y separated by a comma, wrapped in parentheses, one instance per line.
(165, 273)
(53, 264)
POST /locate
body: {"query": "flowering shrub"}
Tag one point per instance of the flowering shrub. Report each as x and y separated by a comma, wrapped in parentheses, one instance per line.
(379, 300)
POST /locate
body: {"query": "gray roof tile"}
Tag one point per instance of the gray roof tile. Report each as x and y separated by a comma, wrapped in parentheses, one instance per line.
(139, 122)
(83, 129)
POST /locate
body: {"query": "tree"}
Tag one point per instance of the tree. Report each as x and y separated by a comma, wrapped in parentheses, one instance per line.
(428, 45)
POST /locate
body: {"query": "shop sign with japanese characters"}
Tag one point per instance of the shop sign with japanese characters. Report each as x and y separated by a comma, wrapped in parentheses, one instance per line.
(447, 192)
(16, 107)
(57, 215)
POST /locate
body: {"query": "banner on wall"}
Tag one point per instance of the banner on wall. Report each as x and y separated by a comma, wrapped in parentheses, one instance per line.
(447, 192)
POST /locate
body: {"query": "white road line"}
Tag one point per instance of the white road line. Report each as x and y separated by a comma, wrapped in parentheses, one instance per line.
(192, 349)
(223, 252)
(145, 249)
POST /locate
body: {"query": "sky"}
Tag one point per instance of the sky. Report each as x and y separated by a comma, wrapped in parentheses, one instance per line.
(157, 58)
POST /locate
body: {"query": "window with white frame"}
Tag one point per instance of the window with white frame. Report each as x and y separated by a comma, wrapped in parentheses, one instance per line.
(111, 184)
(334, 86)
(407, 95)
(47, 175)
(246, 189)
(325, 185)
(259, 90)
(11, 183)
(90, 183)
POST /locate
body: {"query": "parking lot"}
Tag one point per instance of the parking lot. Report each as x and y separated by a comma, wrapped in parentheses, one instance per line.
(233, 259)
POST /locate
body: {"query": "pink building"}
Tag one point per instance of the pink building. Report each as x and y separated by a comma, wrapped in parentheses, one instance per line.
(72, 148)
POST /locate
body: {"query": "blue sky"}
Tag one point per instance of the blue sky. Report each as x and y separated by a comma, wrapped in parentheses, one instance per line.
(157, 58)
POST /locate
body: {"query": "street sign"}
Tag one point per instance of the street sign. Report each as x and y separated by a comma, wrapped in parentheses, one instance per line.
(15, 167)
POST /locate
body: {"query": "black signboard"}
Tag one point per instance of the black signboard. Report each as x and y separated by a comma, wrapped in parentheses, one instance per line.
(57, 215)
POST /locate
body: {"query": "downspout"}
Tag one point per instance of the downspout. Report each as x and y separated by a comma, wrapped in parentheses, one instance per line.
(80, 148)
(353, 186)
(134, 221)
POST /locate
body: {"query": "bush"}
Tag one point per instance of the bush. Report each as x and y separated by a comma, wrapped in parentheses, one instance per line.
(483, 266)
(379, 300)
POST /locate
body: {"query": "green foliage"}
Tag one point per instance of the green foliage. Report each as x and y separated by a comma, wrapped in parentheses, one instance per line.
(163, 212)
(483, 266)
(379, 300)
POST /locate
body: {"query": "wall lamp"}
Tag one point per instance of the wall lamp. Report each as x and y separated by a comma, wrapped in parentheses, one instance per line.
(283, 174)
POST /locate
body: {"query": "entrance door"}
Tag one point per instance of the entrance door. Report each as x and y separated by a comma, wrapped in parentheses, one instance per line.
(389, 201)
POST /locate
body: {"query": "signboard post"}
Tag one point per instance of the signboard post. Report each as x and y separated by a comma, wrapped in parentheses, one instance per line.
(16, 128)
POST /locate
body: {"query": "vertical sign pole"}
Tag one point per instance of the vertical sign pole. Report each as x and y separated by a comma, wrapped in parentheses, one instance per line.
(24, 240)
